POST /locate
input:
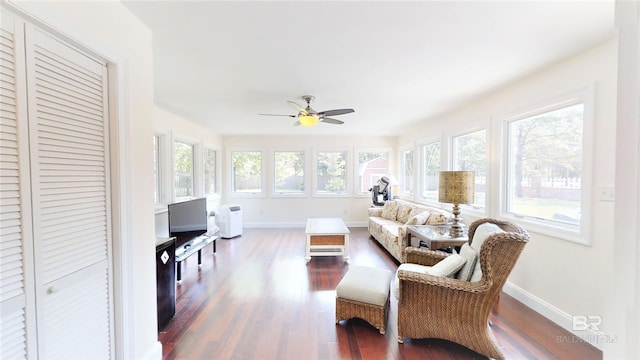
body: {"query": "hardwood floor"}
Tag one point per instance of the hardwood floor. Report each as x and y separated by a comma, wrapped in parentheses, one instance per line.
(258, 299)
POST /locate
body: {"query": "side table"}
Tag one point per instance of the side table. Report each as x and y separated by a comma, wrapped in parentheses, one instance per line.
(434, 237)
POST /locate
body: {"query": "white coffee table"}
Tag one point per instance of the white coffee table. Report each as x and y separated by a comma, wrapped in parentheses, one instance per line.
(327, 237)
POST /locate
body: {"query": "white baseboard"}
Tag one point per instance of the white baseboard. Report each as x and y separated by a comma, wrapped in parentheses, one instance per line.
(296, 224)
(154, 352)
(559, 317)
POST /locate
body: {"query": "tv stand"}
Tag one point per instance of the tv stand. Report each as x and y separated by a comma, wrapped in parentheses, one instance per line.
(190, 247)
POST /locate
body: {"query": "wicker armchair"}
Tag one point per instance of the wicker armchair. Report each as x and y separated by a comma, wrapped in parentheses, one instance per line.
(458, 310)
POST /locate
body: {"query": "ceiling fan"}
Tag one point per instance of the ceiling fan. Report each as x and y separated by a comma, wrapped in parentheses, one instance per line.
(308, 117)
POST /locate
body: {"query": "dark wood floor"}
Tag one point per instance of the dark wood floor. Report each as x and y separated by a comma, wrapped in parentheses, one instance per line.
(258, 299)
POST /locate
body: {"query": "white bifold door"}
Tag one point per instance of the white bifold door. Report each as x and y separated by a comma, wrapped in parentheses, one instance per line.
(55, 247)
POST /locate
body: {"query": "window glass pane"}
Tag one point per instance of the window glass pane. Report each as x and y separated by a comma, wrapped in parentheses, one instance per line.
(407, 171)
(289, 171)
(431, 165)
(371, 167)
(247, 171)
(469, 154)
(183, 170)
(331, 170)
(209, 171)
(545, 165)
(156, 164)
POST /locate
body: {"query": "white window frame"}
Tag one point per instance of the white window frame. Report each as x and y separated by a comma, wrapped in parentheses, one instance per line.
(217, 179)
(578, 234)
(230, 174)
(404, 190)
(356, 167)
(422, 171)
(196, 166)
(161, 171)
(348, 177)
(306, 175)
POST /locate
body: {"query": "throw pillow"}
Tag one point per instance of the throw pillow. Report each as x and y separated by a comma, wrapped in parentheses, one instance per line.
(438, 217)
(471, 257)
(448, 266)
(418, 219)
(481, 234)
(404, 212)
(390, 210)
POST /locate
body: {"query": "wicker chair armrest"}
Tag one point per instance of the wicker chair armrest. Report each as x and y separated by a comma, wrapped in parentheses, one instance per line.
(443, 282)
(424, 256)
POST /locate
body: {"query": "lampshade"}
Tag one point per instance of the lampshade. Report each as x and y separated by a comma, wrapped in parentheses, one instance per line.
(308, 120)
(457, 187)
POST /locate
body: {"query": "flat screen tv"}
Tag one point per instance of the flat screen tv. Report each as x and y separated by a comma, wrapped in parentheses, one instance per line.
(187, 219)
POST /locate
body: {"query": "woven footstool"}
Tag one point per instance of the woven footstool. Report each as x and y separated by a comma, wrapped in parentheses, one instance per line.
(363, 293)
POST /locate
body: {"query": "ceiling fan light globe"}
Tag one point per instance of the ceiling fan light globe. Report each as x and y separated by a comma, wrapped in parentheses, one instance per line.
(308, 120)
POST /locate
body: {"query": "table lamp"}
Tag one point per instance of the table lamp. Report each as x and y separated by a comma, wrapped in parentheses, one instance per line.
(457, 187)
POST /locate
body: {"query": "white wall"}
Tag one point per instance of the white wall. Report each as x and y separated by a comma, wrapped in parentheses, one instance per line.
(109, 30)
(556, 277)
(278, 211)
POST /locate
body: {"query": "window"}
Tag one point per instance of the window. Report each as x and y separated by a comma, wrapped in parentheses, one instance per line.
(469, 154)
(183, 170)
(210, 171)
(247, 172)
(545, 164)
(331, 172)
(407, 171)
(372, 165)
(288, 172)
(431, 170)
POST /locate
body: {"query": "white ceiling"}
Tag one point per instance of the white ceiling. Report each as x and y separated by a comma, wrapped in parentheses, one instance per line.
(222, 63)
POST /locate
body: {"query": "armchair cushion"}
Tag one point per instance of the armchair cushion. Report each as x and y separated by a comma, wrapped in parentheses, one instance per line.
(482, 233)
(471, 256)
(447, 267)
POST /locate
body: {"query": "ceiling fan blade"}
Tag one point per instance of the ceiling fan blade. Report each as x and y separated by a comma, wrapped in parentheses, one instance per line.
(278, 115)
(335, 112)
(295, 105)
(332, 121)
(296, 123)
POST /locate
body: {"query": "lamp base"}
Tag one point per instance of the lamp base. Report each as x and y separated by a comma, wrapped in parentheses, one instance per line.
(457, 228)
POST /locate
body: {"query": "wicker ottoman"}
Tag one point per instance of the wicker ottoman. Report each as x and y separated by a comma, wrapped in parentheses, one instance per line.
(363, 293)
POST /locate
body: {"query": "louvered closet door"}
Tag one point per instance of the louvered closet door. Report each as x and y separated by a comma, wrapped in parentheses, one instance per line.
(68, 131)
(15, 221)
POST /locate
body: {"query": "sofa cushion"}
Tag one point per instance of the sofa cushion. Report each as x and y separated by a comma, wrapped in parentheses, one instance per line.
(482, 233)
(418, 219)
(471, 256)
(390, 210)
(404, 212)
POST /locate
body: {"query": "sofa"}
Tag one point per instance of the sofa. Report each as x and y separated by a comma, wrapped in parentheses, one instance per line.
(388, 224)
